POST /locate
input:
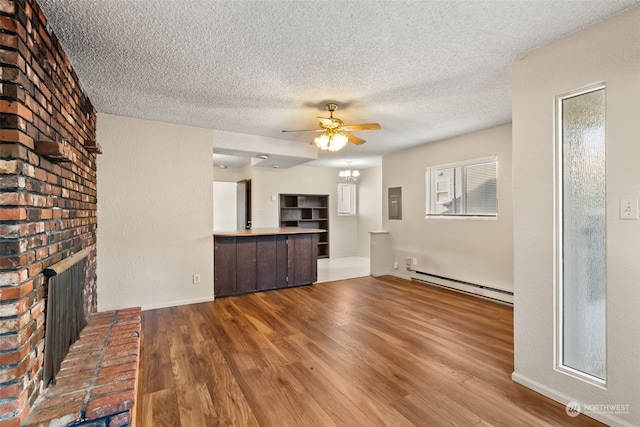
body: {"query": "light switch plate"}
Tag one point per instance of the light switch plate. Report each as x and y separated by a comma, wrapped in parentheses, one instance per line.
(628, 208)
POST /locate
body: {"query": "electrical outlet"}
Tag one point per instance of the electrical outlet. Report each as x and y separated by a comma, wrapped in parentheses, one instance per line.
(415, 261)
(196, 279)
(408, 260)
(395, 265)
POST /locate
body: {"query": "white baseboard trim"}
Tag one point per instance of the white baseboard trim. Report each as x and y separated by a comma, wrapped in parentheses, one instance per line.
(378, 274)
(608, 419)
(177, 303)
(402, 276)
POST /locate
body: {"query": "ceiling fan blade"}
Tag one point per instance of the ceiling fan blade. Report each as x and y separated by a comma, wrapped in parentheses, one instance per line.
(362, 126)
(354, 139)
(304, 130)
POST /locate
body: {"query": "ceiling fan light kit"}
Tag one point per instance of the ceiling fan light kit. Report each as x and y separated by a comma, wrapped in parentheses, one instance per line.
(334, 135)
(331, 141)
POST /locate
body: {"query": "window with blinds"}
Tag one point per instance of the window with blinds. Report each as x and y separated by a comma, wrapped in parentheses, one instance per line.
(466, 188)
(346, 199)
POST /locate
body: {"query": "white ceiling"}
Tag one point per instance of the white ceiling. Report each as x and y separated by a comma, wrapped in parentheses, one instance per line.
(424, 70)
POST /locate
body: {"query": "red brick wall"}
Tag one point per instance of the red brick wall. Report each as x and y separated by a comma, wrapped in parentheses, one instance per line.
(47, 209)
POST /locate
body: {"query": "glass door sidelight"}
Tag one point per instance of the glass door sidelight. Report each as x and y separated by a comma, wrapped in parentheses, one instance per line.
(581, 237)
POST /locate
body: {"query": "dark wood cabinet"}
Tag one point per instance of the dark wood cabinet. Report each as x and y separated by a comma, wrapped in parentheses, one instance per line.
(251, 263)
(307, 210)
(246, 251)
(272, 262)
(224, 256)
(302, 259)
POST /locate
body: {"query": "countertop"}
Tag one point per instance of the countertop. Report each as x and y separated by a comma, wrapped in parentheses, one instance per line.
(267, 231)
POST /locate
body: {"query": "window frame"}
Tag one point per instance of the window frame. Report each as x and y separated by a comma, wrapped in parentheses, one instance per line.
(431, 191)
(559, 284)
(348, 208)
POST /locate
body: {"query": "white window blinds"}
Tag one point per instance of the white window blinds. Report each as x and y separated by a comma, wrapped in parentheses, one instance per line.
(346, 199)
(467, 188)
(481, 189)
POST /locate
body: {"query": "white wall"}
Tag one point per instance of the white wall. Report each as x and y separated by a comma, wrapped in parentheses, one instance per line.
(370, 211)
(228, 174)
(155, 210)
(608, 52)
(478, 251)
(225, 206)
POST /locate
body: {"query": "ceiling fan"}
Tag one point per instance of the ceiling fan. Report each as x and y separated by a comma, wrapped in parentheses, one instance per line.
(335, 134)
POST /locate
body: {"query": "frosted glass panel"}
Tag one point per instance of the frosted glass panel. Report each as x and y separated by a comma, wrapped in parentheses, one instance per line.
(583, 237)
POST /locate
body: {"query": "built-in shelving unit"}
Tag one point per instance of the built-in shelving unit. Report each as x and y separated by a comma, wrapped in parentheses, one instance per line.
(309, 211)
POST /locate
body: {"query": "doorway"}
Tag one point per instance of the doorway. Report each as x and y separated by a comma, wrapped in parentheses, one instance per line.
(243, 191)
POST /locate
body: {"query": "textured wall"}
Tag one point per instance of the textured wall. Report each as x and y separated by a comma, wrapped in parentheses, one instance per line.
(48, 209)
(369, 212)
(608, 52)
(479, 251)
(155, 206)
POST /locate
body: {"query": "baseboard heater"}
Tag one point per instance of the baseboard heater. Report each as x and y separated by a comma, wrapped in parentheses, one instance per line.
(467, 287)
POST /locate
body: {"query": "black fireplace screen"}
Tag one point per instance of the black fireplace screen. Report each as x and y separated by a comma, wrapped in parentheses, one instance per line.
(65, 316)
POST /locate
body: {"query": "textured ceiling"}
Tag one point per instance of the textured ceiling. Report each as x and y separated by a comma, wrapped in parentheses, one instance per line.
(424, 70)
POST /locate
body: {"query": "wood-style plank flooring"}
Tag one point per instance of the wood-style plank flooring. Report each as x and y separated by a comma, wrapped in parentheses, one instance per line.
(358, 352)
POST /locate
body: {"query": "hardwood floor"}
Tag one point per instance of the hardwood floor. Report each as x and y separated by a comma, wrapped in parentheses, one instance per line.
(359, 352)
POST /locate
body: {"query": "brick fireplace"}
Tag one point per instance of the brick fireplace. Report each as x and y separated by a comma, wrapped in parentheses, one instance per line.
(48, 193)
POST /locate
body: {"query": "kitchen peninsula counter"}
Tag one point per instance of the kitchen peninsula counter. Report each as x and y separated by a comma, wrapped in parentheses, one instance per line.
(262, 259)
(268, 231)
